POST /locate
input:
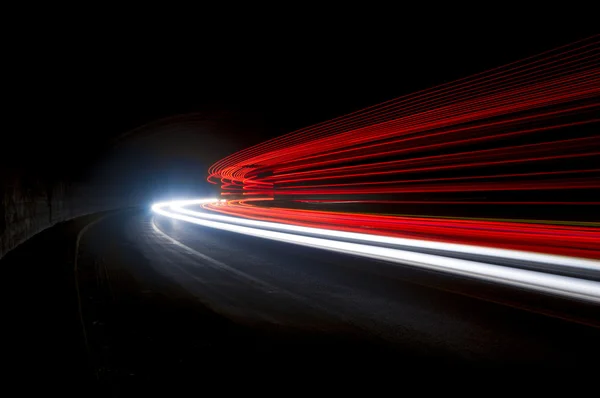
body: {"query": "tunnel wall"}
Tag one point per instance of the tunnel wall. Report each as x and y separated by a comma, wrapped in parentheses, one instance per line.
(28, 206)
(43, 182)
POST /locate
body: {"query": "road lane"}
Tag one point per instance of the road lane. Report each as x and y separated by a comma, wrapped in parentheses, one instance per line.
(559, 275)
(273, 287)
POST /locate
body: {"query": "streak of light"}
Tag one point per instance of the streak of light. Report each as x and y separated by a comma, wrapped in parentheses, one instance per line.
(539, 281)
(526, 128)
(567, 240)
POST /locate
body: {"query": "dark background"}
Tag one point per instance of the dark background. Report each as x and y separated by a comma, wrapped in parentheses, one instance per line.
(132, 118)
(83, 104)
(74, 96)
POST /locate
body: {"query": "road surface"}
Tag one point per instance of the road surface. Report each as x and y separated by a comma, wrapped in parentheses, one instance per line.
(159, 294)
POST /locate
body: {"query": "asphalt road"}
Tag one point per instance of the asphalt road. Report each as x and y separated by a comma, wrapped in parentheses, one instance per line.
(179, 291)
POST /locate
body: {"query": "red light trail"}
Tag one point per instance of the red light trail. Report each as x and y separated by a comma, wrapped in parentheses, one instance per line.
(524, 135)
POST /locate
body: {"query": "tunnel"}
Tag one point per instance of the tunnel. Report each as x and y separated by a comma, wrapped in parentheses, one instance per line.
(173, 212)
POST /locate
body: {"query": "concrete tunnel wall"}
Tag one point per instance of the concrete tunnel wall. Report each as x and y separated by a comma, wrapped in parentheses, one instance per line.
(158, 161)
(28, 206)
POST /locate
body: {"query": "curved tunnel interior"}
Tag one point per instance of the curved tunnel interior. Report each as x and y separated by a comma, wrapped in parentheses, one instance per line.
(130, 296)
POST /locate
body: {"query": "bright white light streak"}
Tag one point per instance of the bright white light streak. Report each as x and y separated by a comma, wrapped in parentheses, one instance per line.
(518, 255)
(539, 281)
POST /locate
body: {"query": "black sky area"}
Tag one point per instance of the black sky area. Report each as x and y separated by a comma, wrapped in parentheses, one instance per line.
(78, 103)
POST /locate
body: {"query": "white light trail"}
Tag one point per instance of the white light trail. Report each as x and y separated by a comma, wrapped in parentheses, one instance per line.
(560, 285)
(580, 263)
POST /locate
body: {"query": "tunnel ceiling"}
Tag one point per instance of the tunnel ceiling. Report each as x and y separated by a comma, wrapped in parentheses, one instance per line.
(70, 104)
